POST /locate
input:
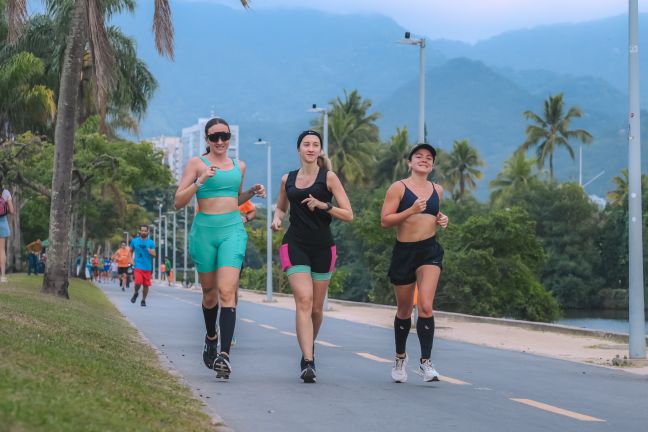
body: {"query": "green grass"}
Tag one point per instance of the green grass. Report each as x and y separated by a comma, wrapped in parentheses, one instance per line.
(77, 365)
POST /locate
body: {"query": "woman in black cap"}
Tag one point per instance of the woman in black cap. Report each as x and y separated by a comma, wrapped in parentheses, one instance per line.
(412, 206)
(308, 251)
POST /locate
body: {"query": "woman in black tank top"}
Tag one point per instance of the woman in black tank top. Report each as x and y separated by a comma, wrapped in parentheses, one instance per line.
(308, 251)
(412, 205)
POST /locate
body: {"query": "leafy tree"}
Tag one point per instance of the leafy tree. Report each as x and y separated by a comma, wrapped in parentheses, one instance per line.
(392, 160)
(517, 173)
(568, 224)
(551, 131)
(353, 138)
(462, 168)
(25, 103)
(492, 267)
(619, 196)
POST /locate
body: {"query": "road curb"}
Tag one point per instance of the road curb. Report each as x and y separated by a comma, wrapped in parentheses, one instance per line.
(459, 317)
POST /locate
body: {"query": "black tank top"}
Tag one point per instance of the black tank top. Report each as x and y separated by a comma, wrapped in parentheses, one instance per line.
(307, 226)
(409, 198)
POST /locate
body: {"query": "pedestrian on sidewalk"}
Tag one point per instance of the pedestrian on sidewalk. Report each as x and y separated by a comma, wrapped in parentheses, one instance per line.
(308, 250)
(142, 253)
(6, 209)
(163, 271)
(412, 205)
(218, 240)
(33, 250)
(167, 270)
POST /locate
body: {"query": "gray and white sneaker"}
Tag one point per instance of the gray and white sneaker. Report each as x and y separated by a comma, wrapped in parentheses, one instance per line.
(427, 371)
(399, 371)
(222, 366)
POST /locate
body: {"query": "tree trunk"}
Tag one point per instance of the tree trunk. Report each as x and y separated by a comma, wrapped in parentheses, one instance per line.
(84, 250)
(14, 251)
(56, 279)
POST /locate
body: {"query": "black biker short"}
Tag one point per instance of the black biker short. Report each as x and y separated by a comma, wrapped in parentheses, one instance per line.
(409, 256)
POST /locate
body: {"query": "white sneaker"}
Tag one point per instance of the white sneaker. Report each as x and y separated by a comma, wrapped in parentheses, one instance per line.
(399, 371)
(3, 279)
(427, 371)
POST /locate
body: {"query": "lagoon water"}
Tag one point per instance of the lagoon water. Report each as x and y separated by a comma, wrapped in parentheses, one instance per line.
(607, 320)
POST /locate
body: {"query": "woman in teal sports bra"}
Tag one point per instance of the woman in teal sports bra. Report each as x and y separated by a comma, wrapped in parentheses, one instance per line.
(217, 241)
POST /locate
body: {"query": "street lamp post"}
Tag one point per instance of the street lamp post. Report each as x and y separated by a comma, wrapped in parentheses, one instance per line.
(315, 109)
(421, 120)
(269, 220)
(127, 238)
(637, 338)
(166, 236)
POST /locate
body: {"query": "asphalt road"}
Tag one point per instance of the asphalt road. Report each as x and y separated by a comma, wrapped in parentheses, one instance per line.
(482, 389)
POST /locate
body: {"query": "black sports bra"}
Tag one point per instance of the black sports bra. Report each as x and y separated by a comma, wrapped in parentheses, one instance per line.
(409, 198)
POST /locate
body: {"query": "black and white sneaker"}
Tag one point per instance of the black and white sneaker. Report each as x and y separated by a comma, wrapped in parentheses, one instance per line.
(210, 351)
(222, 366)
(143, 303)
(134, 297)
(308, 373)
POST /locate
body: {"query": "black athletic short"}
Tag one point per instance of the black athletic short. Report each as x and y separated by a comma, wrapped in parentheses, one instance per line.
(122, 270)
(409, 256)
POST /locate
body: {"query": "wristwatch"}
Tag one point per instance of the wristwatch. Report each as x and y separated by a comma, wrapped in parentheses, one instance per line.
(329, 206)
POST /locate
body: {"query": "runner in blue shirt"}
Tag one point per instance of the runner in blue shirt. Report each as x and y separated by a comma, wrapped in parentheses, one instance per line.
(143, 252)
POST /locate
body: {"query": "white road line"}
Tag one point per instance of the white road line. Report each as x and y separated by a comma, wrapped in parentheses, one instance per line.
(269, 327)
(288, 333)
(373, 357)
(327, 344)
(557, 410)
(247, 320)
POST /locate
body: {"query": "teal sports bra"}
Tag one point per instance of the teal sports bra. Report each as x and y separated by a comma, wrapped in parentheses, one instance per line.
(222, 184)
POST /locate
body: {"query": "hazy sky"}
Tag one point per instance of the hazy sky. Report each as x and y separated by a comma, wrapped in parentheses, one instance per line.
(465, 20)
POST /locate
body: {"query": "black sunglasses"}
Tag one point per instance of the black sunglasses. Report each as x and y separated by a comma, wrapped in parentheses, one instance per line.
(223, 136)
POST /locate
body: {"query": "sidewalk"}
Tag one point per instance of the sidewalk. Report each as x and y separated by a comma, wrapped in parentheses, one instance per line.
(504, 335)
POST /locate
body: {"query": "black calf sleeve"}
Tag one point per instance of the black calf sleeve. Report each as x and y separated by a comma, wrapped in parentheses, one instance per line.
(401, 331)
(210, 320)
(227, 322)
(425, 331)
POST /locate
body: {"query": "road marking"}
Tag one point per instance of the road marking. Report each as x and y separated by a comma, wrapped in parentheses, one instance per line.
(556, 410)
(452, 380)
(269, 327)
(373, 357)
(288, 333)
(327, 344)
(178, 299)
(247, 320)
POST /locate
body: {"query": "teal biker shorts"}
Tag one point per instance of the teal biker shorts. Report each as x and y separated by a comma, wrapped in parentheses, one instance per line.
(217, 240)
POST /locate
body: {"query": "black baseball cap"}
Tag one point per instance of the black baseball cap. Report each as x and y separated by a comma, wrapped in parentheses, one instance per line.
(418, 147)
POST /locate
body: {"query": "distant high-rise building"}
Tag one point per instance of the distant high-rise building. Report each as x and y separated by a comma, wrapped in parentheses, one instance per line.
(172, 149)
(193, 142)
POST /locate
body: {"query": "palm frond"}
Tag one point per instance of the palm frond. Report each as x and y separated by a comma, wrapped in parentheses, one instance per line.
(103, 56)
(163, 28)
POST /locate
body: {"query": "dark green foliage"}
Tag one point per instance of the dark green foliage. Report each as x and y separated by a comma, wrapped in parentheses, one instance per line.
(569, 225)
(492, 267)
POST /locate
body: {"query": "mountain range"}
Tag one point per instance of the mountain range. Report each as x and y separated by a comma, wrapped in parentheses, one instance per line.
(263, 69)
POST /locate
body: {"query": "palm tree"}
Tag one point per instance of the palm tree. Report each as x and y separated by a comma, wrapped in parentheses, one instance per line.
(517, 172)
(619, 196)
(463, 168)
(353, 138)
(87, 25)
(392, 159)
(551, 131)
(25, 103)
